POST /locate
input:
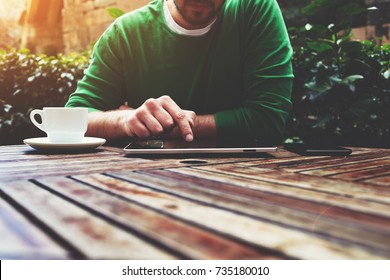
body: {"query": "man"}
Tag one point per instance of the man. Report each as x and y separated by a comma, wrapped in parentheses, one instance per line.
(191, 68)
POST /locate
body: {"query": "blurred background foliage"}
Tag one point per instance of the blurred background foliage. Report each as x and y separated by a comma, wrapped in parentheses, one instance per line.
(341, 91)
(29, 81)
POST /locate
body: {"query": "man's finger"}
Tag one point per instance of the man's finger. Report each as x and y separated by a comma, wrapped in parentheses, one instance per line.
(179, 117)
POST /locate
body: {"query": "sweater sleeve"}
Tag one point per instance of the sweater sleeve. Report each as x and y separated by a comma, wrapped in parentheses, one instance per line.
(267, 77)
(102, 87)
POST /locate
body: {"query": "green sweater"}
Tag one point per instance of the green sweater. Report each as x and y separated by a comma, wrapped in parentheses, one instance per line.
(240, 70)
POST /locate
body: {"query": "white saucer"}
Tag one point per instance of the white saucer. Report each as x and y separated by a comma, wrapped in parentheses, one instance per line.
(43, 143)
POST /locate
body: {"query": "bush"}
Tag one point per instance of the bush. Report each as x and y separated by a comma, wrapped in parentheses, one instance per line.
(341, 91)
(29, 81)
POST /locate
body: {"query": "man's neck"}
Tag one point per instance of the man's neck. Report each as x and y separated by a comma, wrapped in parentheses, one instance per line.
(174, 24)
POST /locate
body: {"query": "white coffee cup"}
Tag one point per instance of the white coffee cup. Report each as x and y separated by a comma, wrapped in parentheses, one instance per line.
(62, 125)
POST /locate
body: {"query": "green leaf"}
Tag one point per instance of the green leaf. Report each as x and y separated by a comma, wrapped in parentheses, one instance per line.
(386, 74)
(352, 78)
(7, 108)
(315, 6)
(323, 121)
(351, 9)
(352, 47)
(318, 87)
(115, 12)
(319, 47)
(360, 111)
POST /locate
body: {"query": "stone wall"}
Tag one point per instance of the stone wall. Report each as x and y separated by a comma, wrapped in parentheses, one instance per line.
(84, 21)
(8, 34)
(10, 12)
(52, 26)
(42, 26)
(68, 25)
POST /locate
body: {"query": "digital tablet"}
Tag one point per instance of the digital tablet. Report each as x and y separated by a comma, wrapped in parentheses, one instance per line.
(150, 147)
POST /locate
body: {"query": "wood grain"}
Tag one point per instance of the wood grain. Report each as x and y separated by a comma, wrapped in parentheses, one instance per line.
(292, 243)
(313, 217)
(102, 204)
(22, 239)
(82, 234)
(185, 239)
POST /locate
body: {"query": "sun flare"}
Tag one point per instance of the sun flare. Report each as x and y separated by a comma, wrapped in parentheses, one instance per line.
(11, 9)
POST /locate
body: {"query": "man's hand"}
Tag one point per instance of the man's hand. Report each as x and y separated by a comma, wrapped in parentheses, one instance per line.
(157, 117)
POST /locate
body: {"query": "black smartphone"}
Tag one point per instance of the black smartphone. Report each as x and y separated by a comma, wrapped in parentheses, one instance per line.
(317, 150)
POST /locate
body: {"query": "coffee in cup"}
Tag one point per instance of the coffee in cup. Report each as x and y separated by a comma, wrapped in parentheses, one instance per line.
(62, 125)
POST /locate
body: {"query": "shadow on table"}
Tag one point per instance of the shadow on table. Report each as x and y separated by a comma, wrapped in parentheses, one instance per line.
(63, 151)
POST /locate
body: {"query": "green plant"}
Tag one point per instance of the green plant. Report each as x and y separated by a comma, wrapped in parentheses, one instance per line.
(29, 81)
(115, 12)
(341, 91)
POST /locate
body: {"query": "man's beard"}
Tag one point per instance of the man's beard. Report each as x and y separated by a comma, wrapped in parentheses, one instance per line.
(199, 18)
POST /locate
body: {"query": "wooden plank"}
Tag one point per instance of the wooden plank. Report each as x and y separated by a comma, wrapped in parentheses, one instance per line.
(381, 180)
(20, 239)
(354, 190)
(301, 164)
(297, 244)
(51, 165)
(24, 153)
(65, 163)
(361, 175)
(85, 235)
(19, 166)
(186, 239)
(332, 222)
(64, 167)
(351, 167)
(317, 195)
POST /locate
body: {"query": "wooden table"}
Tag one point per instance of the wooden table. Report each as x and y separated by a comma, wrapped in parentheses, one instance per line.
(104, 205)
